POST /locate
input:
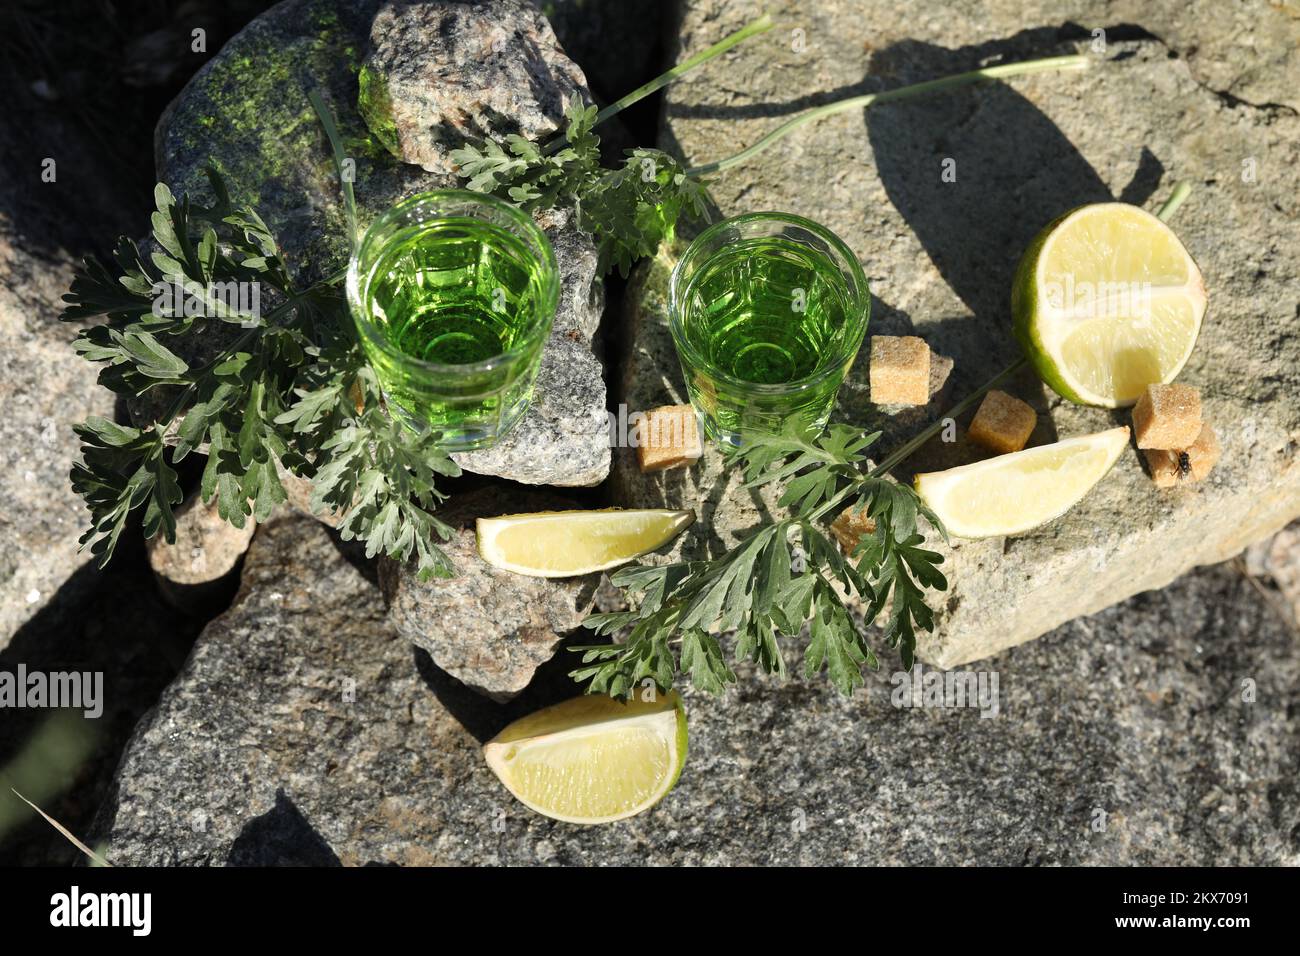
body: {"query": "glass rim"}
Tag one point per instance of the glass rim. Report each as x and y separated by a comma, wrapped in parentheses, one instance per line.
(694, 250)
(520, 219)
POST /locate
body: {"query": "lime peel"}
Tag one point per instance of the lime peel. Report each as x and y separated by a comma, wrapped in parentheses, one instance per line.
(593, 759)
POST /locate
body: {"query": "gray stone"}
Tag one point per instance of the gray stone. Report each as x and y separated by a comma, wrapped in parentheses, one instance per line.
(45, 389)
(940, 254)
(564, 439)
(1248, 57)
(489, 628)
(494, 69)
(206, 550)
(304, 729)
(247, 113)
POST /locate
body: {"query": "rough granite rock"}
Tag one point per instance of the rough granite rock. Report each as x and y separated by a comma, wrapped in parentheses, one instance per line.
(207, 548)
(45, 389)
(495, 69)
(488, 628)
(940, 254)
(246, 111)
(304, 729)
(564, 437)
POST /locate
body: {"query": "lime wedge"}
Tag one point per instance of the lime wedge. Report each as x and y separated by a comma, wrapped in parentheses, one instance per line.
(1106, 301)
(592, 759)
(560, 544)
(1013, 493)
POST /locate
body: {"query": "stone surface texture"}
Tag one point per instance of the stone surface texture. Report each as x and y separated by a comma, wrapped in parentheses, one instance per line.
(206, 550)
(1278, 558)
(304, 729)
(490, 629)
(495, 69)
(45, 389)
(246, 112)
(1155, 107)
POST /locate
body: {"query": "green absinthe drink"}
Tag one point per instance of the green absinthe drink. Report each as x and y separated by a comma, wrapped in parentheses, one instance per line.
(767, 311)
(453, 294)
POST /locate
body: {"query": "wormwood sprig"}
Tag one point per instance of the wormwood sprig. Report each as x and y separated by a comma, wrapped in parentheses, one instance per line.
(291, 387)
(629, 210)
(767, 592)
(787, 574)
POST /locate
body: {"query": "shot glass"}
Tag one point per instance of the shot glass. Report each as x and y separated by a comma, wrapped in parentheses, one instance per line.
(453, 294)
(767, 311)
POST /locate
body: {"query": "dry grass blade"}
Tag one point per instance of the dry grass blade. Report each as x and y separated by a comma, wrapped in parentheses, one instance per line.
(98, 860)
(1278, 607)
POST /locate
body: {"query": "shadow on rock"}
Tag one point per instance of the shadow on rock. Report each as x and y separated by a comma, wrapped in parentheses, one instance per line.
(281, 837)
(976, 173)
(483, 717)
(113, 622)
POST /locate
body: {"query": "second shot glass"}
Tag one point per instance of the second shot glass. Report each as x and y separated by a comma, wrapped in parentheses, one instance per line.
(767, 311)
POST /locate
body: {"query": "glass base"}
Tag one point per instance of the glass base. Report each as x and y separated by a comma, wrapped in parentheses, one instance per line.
(468, 437)
(728, 426)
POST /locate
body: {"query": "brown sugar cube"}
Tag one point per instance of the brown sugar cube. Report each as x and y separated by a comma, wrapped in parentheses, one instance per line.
(1193, 463)
(1167, 417)
(900, 370)
(1003, 423)
(1163, 465)
(850, 526)
(667, 437)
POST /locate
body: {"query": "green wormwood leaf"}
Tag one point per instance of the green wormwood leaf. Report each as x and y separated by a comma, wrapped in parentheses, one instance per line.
(292, 391)
(759, 591)
(629, 210)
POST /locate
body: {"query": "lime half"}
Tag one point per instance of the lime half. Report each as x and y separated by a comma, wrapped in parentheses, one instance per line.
(593, 759)
(1013, 493)
(1106, 301)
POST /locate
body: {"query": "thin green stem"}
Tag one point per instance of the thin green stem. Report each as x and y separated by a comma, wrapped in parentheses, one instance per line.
(1073, 62)
(326, 117)
(761, 25)
(1181, 191)
(892, 460)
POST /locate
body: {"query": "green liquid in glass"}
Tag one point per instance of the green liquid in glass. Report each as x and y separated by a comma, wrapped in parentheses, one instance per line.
(453, 292)
(765, 311)
(456, 292)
